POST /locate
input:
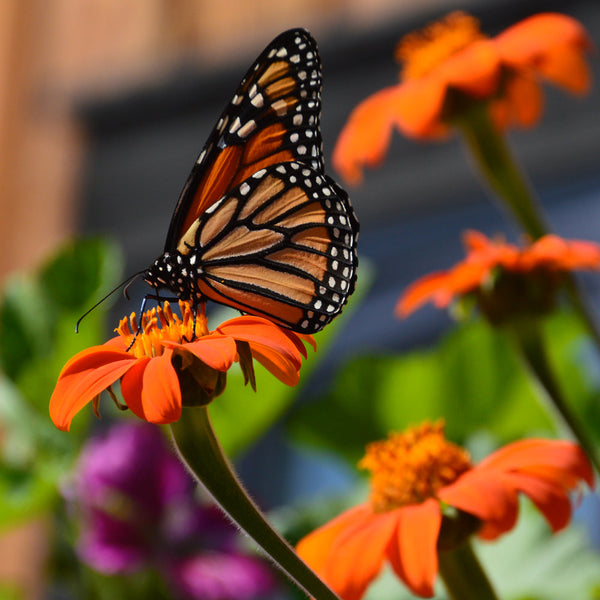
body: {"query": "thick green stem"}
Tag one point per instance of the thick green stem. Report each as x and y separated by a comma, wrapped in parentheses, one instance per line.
(503, 174)
(530, 343)
(463, 575)
(501, 171)
(201, 452)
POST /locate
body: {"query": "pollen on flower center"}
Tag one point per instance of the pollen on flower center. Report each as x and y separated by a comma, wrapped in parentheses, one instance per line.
(411, 467)
(421, 51)
(159, 324)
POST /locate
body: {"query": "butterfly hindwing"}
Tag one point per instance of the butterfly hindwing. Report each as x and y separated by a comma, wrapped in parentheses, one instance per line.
(273, 117)
(281, 244)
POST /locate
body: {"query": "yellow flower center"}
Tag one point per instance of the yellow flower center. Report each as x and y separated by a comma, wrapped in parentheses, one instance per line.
(159, 324)
(411, 467)
(422, 51)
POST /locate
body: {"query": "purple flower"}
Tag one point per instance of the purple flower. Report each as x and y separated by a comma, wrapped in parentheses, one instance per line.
(138, 510)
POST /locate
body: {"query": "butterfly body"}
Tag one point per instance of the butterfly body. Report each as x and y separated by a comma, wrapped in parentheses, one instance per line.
(259, 226)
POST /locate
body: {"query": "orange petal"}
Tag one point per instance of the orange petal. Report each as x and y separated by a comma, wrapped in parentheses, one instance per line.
(262, 331)
(151, 390)
(475, 240)
(217, 351)
(358, 552)
(83, 378)
(551, 43)
(286, 370)
(550, 498)
(365, 137)
(420, 292)
(416, 108)
(348, 552)
(475, 70)
(486, 496)
(565, 461)
(413, 551)
(555, 252)
(521, 103)
(315, 548)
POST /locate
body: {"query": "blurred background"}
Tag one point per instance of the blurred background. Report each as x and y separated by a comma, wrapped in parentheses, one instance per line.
(105, 105)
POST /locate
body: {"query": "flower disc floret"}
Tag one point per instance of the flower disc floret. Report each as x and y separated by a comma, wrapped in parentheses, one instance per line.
(413, 466)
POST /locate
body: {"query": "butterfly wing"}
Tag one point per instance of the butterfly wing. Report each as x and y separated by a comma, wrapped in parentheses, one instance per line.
(281, 244)
(273, 117)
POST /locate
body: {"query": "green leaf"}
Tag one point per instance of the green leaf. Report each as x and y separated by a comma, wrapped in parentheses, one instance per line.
(241, 416)
(80, 273)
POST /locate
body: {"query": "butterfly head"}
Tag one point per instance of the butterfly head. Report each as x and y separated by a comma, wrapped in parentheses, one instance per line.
(172, 271)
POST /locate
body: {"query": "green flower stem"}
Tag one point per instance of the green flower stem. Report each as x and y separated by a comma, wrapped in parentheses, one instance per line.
(500, 170)
(464, 576)
(530, 343)
(202, 454)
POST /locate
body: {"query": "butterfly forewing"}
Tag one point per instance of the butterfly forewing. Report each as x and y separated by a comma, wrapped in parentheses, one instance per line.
(273, 117)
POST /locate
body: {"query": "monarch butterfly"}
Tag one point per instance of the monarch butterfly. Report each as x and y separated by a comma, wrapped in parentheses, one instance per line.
(258, 225)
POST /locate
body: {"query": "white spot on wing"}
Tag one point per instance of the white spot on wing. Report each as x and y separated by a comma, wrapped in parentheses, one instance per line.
(247, 128)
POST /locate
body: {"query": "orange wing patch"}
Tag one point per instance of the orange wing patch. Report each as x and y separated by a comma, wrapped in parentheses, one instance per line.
(242, 241)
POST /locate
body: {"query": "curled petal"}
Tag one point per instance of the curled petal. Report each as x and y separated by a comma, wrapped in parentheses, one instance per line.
(286, 370)
(553, 44)
(258, 330)
(278, 350)
(215, 350)
(490, 499)
(83, 378)
(413, 550)
(550, 498)
(151, 390)
(561, 461)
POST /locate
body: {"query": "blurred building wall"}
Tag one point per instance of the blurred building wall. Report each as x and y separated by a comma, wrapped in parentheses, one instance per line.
(53, 52)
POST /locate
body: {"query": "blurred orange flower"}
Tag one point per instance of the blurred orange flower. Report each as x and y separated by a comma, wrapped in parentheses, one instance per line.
(157, 364)
(450, 65)
(415, 477)
(494, 267)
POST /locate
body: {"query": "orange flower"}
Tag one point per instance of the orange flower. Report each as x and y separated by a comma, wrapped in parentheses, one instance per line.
(449, 66)
(416, 476)
(159, 370)
(504, 277)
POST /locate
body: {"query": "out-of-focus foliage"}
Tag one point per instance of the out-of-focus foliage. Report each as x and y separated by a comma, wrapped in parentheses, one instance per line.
(473, 379)
(240, 416)
(38, 312)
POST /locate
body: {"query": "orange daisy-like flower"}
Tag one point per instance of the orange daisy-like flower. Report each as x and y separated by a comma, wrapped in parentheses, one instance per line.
(416, 476)
(450, 65)
(160, 370)
(507, 280)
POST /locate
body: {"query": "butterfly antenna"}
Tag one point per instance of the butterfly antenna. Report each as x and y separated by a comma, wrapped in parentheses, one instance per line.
(125, 283)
